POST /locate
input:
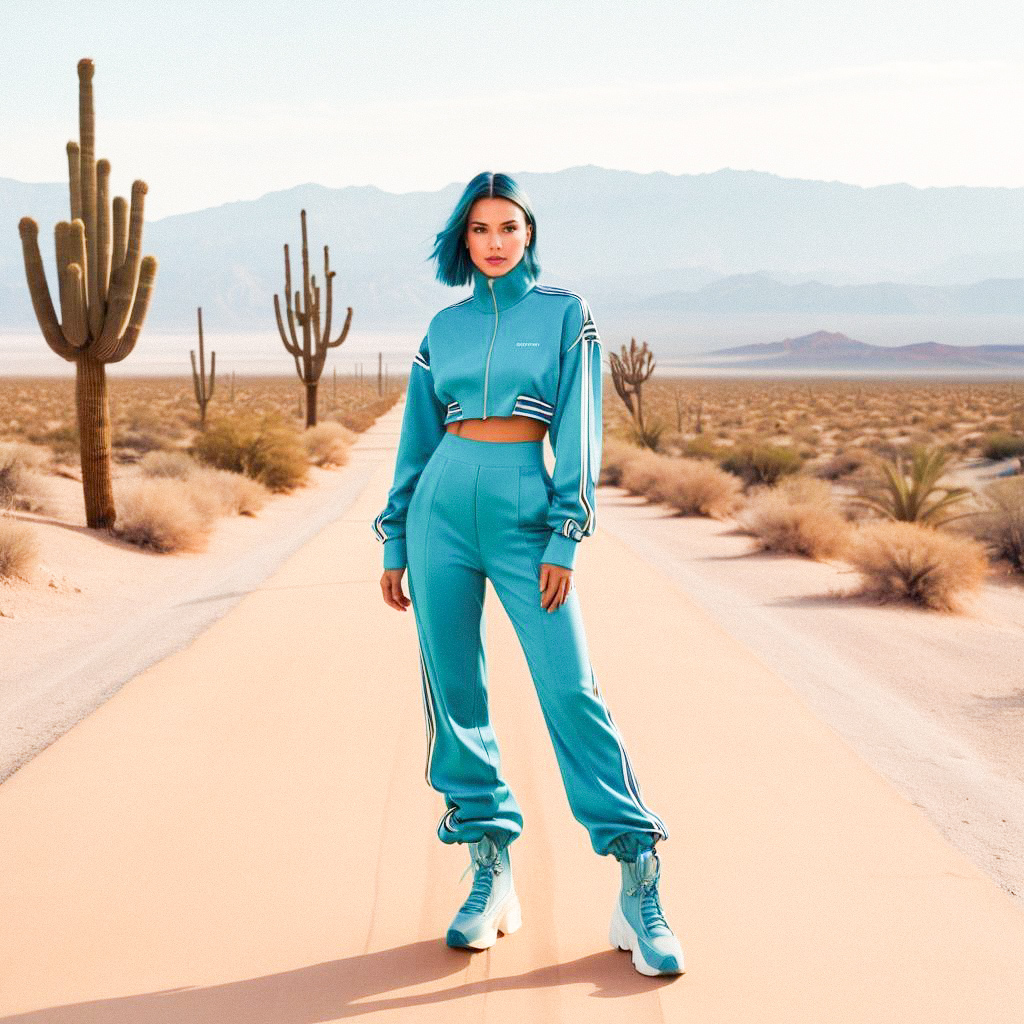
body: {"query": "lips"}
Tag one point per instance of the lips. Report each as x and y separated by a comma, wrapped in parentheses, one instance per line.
(495, 259)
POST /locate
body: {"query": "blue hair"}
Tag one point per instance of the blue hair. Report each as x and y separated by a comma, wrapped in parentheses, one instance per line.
(454, 267)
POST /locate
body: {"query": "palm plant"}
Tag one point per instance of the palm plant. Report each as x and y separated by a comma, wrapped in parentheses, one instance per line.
(914, 496)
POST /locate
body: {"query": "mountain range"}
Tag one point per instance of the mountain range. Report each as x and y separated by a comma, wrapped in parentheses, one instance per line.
(646, 249)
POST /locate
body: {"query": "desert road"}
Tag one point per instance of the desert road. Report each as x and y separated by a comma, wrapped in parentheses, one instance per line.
(243, 833)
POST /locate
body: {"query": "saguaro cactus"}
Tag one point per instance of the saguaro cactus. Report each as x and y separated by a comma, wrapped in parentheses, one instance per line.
(204, 390)
(311, 354)
(104, 294)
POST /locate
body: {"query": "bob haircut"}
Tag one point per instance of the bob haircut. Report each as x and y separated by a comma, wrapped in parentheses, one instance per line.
(454, 267)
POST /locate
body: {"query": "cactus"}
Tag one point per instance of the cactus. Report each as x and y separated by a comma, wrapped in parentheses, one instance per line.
(204, 391)
(629, 371)
(104, 293)
(311, 354)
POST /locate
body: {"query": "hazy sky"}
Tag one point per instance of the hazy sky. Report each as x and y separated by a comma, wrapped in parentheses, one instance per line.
(214, 102)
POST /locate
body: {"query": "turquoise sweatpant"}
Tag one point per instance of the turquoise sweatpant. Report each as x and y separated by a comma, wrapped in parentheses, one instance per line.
(479, 512)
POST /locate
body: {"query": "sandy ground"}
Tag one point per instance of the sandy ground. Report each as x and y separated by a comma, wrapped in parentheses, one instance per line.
(98, 610)
(934, 701)
(242, 832)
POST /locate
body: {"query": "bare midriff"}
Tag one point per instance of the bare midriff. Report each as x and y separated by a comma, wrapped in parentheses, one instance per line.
(500, 428)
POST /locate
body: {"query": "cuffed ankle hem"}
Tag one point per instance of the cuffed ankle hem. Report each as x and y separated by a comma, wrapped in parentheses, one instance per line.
(629, 845)
(500, 838)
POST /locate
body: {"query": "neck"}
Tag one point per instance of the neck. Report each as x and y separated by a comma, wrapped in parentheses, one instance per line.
(508, 289)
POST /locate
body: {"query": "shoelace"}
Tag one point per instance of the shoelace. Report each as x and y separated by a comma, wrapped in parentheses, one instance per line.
(487, 867)
(650, 902)
(650, 905)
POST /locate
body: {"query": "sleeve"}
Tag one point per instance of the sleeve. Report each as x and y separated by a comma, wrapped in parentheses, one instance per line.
(575, 432)
(422, 430)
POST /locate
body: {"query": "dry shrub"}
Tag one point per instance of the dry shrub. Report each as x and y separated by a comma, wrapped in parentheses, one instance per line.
(226, 493)
(691, 486)
(176, 464)
(673, 442)
(22, 485)
(923, 564)
(1002, 445)
(843, 463)
(698, 487)
(359, 419)
(645, 472)
(35, 495)
(220, 491)
(328, 443)
(145, 430)
(266, 448)
(799, 516)
(761, 463)
(704, 446)
(999, 523)
(18, 549)
(18, 462)
(61, 441)
(615, 452)
(161, 513)
(649, 435)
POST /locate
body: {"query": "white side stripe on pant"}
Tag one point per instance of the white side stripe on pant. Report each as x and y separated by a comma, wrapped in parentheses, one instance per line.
(632, 786)
(428, 713)
(446, 819)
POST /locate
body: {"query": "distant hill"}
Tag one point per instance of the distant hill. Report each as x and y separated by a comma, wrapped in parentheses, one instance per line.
(762, 293)
(825, 350)
(638, 245)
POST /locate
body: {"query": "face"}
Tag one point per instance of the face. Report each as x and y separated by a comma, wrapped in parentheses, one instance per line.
(496, 235)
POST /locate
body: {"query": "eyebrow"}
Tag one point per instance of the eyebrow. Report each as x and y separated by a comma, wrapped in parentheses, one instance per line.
(503, 223)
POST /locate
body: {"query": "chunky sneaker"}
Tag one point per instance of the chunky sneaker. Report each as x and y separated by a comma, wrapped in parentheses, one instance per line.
(638, 922)
(492, 905)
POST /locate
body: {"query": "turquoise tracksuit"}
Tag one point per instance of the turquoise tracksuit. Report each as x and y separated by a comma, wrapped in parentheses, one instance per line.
(461, 511)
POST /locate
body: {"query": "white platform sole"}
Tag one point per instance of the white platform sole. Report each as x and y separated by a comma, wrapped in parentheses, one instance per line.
(622, 936)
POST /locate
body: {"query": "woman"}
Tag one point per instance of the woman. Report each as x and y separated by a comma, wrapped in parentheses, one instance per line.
(473, 500)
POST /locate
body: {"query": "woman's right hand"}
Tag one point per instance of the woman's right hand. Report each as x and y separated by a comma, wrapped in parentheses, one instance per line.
(391, 587)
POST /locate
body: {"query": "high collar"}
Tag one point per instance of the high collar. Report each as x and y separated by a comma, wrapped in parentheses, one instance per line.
(509, 288)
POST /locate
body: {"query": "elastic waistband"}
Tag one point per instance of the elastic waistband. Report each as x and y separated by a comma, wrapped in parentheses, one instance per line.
(491, 453)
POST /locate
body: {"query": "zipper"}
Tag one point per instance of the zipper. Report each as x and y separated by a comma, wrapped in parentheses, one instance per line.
(487, 367)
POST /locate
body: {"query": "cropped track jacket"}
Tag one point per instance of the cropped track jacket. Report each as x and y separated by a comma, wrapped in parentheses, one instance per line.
(512, 348)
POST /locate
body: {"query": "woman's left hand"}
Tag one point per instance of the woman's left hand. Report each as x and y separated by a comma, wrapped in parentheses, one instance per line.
(555, 582)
